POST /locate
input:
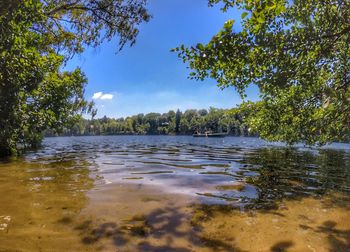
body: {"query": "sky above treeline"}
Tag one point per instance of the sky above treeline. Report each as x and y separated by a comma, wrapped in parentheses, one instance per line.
(147, 77)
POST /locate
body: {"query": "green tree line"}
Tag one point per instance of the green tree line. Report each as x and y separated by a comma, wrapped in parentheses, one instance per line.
(170, 123)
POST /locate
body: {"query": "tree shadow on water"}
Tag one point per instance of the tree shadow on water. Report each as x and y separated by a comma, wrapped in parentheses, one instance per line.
(338, 239)
(163, 229)
(282, 246)
(288, 174)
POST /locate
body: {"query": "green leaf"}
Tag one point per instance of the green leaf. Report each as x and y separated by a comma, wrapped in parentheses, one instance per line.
(228, 24)
(244, 14)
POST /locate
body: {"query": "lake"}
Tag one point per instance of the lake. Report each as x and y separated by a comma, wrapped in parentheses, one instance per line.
(175, 193)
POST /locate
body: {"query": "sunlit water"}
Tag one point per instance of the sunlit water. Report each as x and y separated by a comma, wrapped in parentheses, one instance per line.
(164, 193)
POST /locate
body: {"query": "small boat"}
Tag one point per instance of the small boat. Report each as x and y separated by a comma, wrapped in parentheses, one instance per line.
(209, 134)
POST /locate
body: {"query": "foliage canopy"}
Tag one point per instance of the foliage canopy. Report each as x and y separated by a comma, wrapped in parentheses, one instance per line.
(36, 39)
(297, 52)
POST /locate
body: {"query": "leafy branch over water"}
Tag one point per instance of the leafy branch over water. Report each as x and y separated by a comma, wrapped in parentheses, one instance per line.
(36, 40)
(297, 53)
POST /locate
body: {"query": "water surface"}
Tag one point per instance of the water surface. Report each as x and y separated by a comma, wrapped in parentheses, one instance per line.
(164, 193)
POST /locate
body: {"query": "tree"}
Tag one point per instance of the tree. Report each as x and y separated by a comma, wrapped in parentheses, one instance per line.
(178, 116)
(36, 39)
(202, 112)
(153, 121)
(184, 125)
(297, 53)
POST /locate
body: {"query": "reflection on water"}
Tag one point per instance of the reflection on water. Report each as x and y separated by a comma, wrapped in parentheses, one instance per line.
(166, 193)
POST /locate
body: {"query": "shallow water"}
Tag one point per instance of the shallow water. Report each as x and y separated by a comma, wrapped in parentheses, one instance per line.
(163, 193)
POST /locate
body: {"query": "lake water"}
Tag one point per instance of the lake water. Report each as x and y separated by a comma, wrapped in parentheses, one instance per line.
(175, 193)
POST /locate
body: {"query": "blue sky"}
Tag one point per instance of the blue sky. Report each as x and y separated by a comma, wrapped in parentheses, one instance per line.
(148, 77)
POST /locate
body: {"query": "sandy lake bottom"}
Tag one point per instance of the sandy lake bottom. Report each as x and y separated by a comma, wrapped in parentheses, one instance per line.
(175, 194)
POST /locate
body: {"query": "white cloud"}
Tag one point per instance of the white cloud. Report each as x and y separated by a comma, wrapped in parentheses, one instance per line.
(102, 96)
(160, 101)
(97, 95)
(106, 97)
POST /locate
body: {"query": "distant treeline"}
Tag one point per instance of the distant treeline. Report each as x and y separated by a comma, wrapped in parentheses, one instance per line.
(170, 123)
